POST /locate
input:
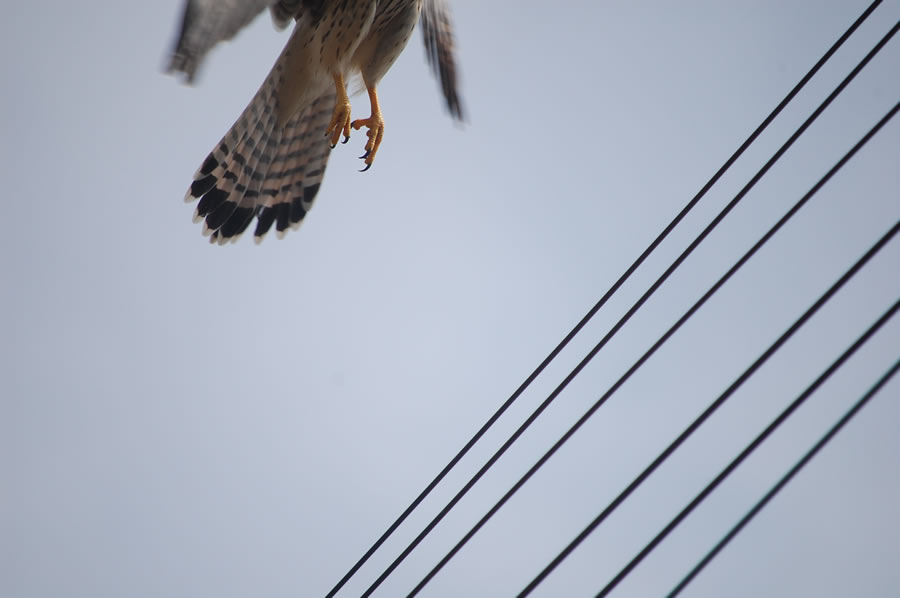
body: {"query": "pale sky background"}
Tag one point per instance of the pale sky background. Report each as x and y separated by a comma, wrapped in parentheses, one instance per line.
(180, 419)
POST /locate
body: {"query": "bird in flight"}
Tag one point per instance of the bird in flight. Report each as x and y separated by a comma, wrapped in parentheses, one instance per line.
(270, 165)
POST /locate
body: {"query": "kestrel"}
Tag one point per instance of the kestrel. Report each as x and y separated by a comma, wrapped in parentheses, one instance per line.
(271, 163)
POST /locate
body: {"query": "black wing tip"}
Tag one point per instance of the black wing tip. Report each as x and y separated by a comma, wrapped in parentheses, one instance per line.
(202, 186)
(237, 222)
(455, 107)
(264, 222)
(211, 201)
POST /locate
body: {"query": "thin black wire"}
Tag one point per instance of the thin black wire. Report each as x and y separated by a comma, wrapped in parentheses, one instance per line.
(656, 346)
(593, 352)
(748, 450)
(572, 545)
(609, 293)
(785, 479)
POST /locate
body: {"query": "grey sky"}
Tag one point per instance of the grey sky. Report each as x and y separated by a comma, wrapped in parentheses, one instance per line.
(187, 420)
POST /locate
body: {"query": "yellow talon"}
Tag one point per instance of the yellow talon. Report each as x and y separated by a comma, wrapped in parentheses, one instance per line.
(375, 124)
(340, 119)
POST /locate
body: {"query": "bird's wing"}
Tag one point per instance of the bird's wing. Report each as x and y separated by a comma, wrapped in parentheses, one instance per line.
(285, 11)
(208, 22)
(437, 29)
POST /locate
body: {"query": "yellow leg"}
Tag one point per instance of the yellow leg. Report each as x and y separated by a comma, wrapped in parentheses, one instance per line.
(340, 119)
(375, 124)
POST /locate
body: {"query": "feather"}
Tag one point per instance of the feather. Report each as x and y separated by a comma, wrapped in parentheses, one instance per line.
(204, 24)
(437, 32)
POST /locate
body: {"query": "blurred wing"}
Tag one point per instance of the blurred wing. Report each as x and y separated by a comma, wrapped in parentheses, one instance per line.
(437, 29)
(208, 22)
(285, 11)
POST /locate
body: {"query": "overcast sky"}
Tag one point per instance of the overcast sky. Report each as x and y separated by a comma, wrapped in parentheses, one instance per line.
(181, 419)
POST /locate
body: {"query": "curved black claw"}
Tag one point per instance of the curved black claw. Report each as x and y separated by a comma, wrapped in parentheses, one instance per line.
(364, 156)
(346, 139)
(368, 166)
(334, 146)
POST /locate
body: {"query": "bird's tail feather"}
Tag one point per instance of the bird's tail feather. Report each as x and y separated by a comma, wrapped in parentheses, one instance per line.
(297, 172)
(261, 168)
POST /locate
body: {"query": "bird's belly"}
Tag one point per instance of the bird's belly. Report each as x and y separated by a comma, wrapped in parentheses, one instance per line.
(391, 29)
(320, 48)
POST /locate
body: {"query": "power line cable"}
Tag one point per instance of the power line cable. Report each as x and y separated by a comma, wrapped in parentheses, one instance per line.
(785, 479)
(566, 551)
(748, 450)
(663, 339)
(594, 351)
(609, 293)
